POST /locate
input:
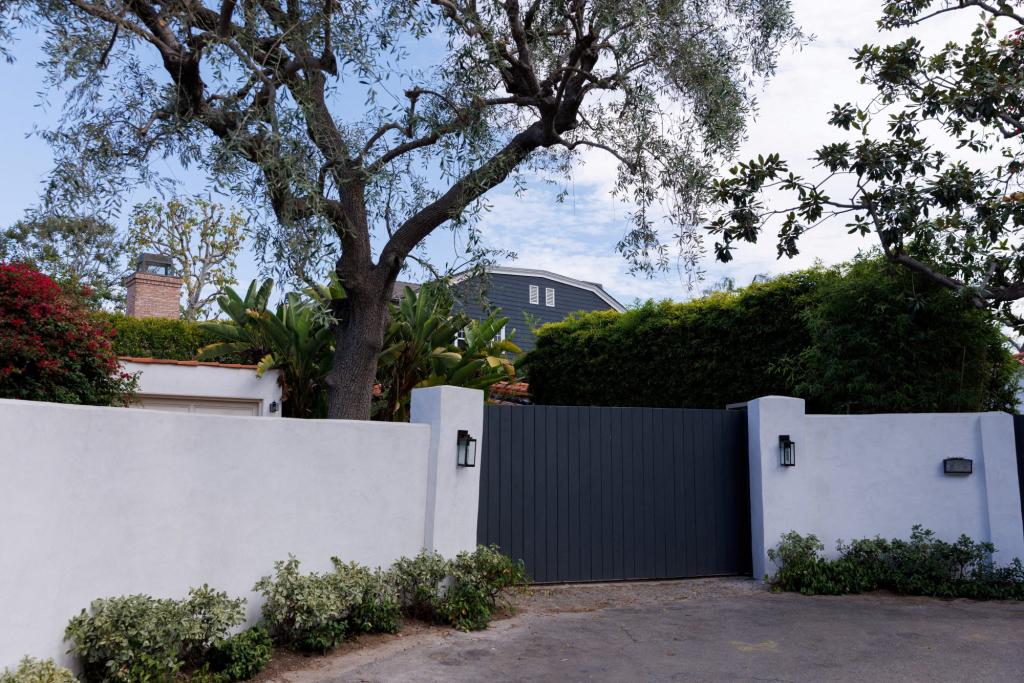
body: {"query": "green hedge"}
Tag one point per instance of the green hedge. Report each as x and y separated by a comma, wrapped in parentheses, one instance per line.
(160, 338)
(860, 338)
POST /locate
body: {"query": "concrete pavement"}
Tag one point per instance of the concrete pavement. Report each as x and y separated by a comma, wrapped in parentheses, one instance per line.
(757, 637)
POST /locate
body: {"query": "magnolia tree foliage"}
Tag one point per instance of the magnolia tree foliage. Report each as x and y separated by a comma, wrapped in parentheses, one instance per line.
(376, 123)
(201, 237)
(957, 218)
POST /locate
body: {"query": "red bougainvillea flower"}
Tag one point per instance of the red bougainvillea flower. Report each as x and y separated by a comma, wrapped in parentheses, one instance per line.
(51, 349)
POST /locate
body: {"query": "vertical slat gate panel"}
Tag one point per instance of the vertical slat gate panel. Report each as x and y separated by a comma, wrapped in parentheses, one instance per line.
(598, 494)
(1018, 433)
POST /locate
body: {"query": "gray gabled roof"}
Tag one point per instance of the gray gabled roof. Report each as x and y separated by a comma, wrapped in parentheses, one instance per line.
(594, 287)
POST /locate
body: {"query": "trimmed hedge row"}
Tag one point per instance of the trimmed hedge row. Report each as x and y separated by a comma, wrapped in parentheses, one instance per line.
(161, 338)
(864, 337)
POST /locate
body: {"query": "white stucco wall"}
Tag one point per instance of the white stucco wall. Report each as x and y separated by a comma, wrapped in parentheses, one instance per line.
(207, 381)
(96, 502)
(860, 476)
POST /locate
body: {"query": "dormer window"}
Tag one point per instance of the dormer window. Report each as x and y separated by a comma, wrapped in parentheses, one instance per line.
(534, 294)
(549, 296)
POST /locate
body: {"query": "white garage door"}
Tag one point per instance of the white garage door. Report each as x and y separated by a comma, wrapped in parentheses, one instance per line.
(211, 406)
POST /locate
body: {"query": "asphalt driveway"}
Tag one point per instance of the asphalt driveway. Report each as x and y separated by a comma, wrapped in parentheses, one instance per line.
(712, 635)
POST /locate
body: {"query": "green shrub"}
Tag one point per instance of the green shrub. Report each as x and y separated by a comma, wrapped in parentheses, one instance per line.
(127, 639)
(37, 671)
(307, 612)
(163, 338)
(141, 638)
(241, 656)
(421, 582)
(922, 565)
(478, 581)
(859, 338)
(377, 609)
(463, 592)
(207, 618)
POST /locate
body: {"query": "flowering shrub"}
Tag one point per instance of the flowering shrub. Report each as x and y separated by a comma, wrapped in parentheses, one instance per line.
(50, 348)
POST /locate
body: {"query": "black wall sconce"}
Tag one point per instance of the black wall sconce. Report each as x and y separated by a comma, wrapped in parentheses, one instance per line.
(787, 451)
(273, 406)
(957, 466)
(465, 455)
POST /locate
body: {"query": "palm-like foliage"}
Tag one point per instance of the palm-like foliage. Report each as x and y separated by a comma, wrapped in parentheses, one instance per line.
(296, 339)
(420, 351)
(239, 332)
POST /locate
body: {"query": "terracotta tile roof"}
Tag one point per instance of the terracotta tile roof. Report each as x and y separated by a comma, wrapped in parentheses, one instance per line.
(166, 361)
(510, 390)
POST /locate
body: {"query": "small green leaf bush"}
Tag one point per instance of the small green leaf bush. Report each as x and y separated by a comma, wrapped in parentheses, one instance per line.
(307, 612)
(464, 592)
(922, 565)
(37, 671)
(420, 581)
(378, 608)
(141, 638)
(241, 656)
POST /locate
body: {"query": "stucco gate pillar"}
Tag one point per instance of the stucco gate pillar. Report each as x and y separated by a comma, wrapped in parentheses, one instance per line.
(453, 492)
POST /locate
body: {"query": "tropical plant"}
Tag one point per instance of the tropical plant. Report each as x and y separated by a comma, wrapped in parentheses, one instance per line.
(295, 339)
(397, 118)
(421, 351)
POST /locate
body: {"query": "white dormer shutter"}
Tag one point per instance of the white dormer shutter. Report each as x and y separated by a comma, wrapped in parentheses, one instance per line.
(534, 294)
(549, 296)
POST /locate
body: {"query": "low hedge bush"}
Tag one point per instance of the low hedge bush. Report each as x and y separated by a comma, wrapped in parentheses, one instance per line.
(241, 656)
(141, 638)
(922, 565)
(37, 671)
(306, 612)
(163, 338)
(865, 337)
(464, 592)
(377, 608)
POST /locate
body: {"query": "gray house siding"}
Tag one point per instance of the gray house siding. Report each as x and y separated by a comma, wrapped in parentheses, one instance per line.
(511, 294)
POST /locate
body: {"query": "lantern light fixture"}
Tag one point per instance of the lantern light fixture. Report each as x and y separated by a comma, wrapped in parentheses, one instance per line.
(787, 451)
(465, 450)
(273, 406)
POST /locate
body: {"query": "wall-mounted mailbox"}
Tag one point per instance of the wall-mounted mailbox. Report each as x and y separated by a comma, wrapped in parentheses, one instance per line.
(957, 466)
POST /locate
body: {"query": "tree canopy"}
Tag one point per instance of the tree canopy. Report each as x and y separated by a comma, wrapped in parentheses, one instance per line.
(365, 126)
(955, 217)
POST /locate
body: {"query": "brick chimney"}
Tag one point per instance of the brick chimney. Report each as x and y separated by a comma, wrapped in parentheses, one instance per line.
(153, 290)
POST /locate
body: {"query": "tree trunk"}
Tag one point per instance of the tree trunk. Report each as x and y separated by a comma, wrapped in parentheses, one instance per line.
(359, 337)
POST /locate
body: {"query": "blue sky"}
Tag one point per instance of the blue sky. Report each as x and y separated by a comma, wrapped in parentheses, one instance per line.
(576, 237)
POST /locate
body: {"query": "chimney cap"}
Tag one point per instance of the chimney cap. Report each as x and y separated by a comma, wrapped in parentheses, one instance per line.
(155, 264)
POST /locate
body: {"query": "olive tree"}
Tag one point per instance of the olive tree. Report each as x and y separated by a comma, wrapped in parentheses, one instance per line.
(378, 123)
(934, 170)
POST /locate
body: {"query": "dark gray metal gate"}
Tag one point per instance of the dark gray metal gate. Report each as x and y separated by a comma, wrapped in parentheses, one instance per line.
(1018, 432)
(600, 494)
